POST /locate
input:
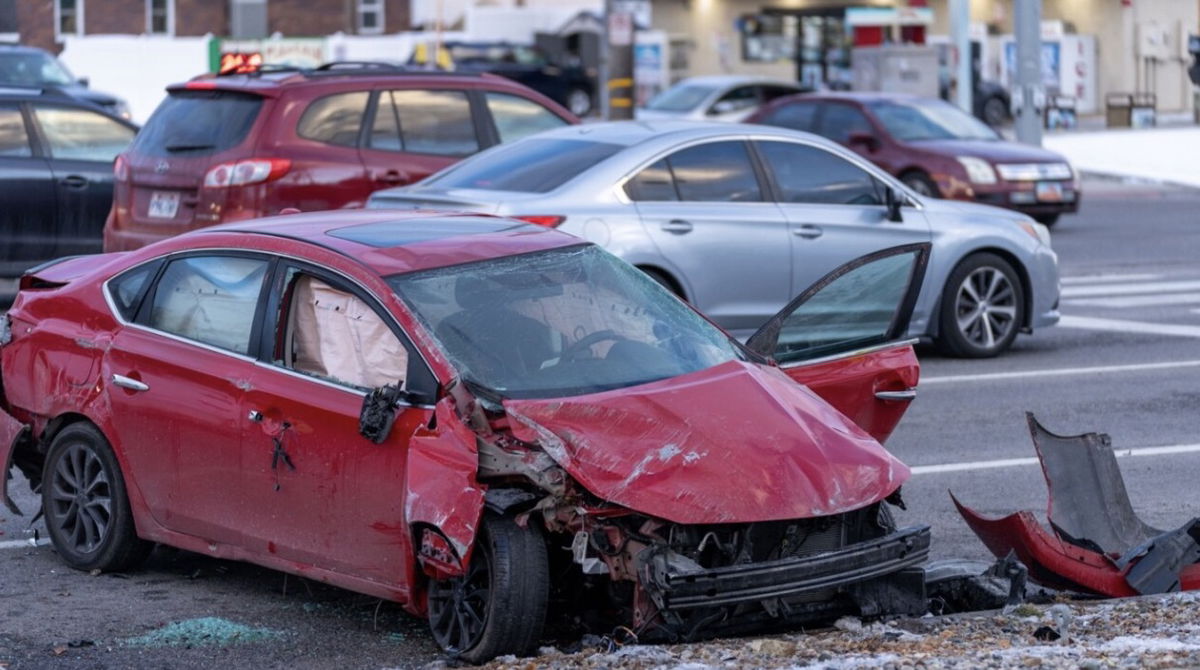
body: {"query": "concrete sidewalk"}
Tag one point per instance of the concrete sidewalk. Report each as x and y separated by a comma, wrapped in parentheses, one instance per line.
(1168, 155)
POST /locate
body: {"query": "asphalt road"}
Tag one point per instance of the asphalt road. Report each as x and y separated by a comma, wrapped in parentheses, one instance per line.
(1126, 361)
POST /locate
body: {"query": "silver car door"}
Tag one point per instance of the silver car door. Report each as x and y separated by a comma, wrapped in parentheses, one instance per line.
(836, 209)
(705, 207)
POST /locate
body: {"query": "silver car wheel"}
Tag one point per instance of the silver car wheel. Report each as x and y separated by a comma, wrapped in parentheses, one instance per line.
(579, 102)
(986, 307)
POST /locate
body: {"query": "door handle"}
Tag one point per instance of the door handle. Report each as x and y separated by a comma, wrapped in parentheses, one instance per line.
(808, 231)
(393, 177)
(129, 383)
(677, 226)
(899, 396)
(74, 181)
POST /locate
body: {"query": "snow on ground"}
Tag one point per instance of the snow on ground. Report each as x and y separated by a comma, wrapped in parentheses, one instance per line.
(1157, 154)
(1152, 632)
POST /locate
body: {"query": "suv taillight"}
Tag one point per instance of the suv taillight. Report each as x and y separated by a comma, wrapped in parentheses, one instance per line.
(249, 171)
(120, 168)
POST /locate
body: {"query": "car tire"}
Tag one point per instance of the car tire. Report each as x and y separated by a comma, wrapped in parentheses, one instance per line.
(921, 183)
(1046, 219)
(982, 307)
(85, 503)
(499, 606)
(995, 111)
(579, 102)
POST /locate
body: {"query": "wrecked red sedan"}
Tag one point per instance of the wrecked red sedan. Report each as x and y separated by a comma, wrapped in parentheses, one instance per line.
(476, 417)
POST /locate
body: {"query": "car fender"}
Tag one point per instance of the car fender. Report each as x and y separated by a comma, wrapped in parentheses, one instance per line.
(442, 494)
(12, 432)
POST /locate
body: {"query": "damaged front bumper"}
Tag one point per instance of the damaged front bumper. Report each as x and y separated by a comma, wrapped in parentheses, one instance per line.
(677, 586)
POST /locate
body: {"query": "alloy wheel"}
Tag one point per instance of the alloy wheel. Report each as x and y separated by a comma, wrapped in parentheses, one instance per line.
(81, 498)
(458, 607)
(986, 307)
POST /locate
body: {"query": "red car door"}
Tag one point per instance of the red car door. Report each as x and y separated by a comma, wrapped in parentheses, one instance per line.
(318, 493)
(174, 382)
(843, 337)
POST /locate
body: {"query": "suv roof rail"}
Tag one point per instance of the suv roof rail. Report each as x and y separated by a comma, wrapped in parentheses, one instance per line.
(48, 91)
(376, 67)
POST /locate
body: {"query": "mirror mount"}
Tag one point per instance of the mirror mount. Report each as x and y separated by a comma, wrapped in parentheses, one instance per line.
(865, 140)
(84, 82)
(378, 411)
(893, 201)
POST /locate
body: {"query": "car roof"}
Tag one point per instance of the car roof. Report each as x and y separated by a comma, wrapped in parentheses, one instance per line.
(863, 96)
(269, 81)
(735, 79)
(13, 46)
(395, 242)
(630, 133)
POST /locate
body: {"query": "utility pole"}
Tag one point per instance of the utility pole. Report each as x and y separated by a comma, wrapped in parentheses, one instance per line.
(1029, 96)
(617, 75)
(960, 30)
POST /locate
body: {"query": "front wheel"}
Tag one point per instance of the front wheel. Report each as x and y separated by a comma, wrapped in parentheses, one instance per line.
(499, 606)
(983, 307)
(86, 507)
(995, 111)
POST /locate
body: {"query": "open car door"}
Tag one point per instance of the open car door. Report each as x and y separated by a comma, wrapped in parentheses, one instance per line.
(844, 337)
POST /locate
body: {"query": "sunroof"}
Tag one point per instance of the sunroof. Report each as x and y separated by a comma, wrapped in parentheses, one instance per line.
(398, 233)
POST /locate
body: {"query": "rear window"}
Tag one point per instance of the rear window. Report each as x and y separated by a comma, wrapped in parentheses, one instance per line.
(529, 166)
(195, 123)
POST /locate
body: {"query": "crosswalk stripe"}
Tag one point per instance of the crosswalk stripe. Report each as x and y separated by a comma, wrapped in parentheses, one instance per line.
(1105, 279)
(1123, 302)
(1130, 289)
(1123, 326)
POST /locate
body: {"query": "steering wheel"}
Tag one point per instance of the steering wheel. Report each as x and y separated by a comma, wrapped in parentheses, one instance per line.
(574, 351)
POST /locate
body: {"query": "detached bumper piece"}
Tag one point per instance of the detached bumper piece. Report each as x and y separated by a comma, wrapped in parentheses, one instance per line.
(1098, 544)
(870, 578)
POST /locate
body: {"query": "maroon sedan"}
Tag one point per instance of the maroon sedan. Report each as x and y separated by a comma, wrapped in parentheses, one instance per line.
(936, 149)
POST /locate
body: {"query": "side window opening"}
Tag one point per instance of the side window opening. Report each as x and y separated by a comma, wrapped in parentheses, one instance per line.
(653, 184)
(14, 141)
(126, 290)
(210, 299)
(334, 119)
(334, 335)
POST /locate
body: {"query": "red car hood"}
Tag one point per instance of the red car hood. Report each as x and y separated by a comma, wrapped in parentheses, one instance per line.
(997, 151)
(735, 443)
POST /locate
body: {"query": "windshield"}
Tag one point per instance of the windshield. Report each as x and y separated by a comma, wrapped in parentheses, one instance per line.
(681, 98)
(930, 120)
(531, 166)
(33, 69)
(562, 322)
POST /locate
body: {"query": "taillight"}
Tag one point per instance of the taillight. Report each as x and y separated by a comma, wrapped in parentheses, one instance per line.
(547, 220)
(250, 171)
(120, 168)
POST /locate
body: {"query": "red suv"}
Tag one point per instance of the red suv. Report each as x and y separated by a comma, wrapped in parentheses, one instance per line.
(226, 148)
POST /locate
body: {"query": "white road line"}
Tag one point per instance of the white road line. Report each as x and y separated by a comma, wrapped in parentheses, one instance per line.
(1138, 300)
(17, 544)
(1060, 372)
(1122, 326)
(1103, 279)
(1014, 462)
(1130, 289)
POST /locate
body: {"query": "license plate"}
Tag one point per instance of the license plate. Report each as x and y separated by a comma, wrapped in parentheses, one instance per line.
(1049, 191)
(163, 205)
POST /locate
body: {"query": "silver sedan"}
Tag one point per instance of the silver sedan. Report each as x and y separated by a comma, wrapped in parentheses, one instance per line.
(737, 219)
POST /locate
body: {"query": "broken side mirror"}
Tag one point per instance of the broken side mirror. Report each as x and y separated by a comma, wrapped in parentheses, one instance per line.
(893, 201)
(379, 409)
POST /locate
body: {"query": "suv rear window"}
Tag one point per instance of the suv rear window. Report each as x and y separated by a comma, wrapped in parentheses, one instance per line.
(528, 166)
(194, 123)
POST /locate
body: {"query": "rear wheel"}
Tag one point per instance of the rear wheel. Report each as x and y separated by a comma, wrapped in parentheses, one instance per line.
(983, 307)
(499, 606)
(995, 111)
(579, 102)
(85, 504)
(921, 183)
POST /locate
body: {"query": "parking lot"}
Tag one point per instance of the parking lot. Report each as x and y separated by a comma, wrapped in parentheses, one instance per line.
(1123, 361)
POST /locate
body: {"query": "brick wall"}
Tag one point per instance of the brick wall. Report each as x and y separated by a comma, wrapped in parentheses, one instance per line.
(35, 21)
(111, 17)
(194, 18)
(396, 15)
(308, 18)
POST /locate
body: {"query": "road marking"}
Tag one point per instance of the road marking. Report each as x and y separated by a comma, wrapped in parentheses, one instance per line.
(1060, 372)
(1138, 300)
(1102, 279)
(1014, 462)
(17, 544)
(1122, 326)
(1130, 289)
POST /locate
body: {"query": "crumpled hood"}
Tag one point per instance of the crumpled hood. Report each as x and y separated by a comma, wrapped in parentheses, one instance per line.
(736, 443)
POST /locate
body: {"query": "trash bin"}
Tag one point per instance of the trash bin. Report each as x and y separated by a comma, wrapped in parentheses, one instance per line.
(1144, 112)
(1118, 110)
(1060, 113)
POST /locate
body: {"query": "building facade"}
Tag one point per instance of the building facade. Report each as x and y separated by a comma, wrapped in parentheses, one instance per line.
(45, 23)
